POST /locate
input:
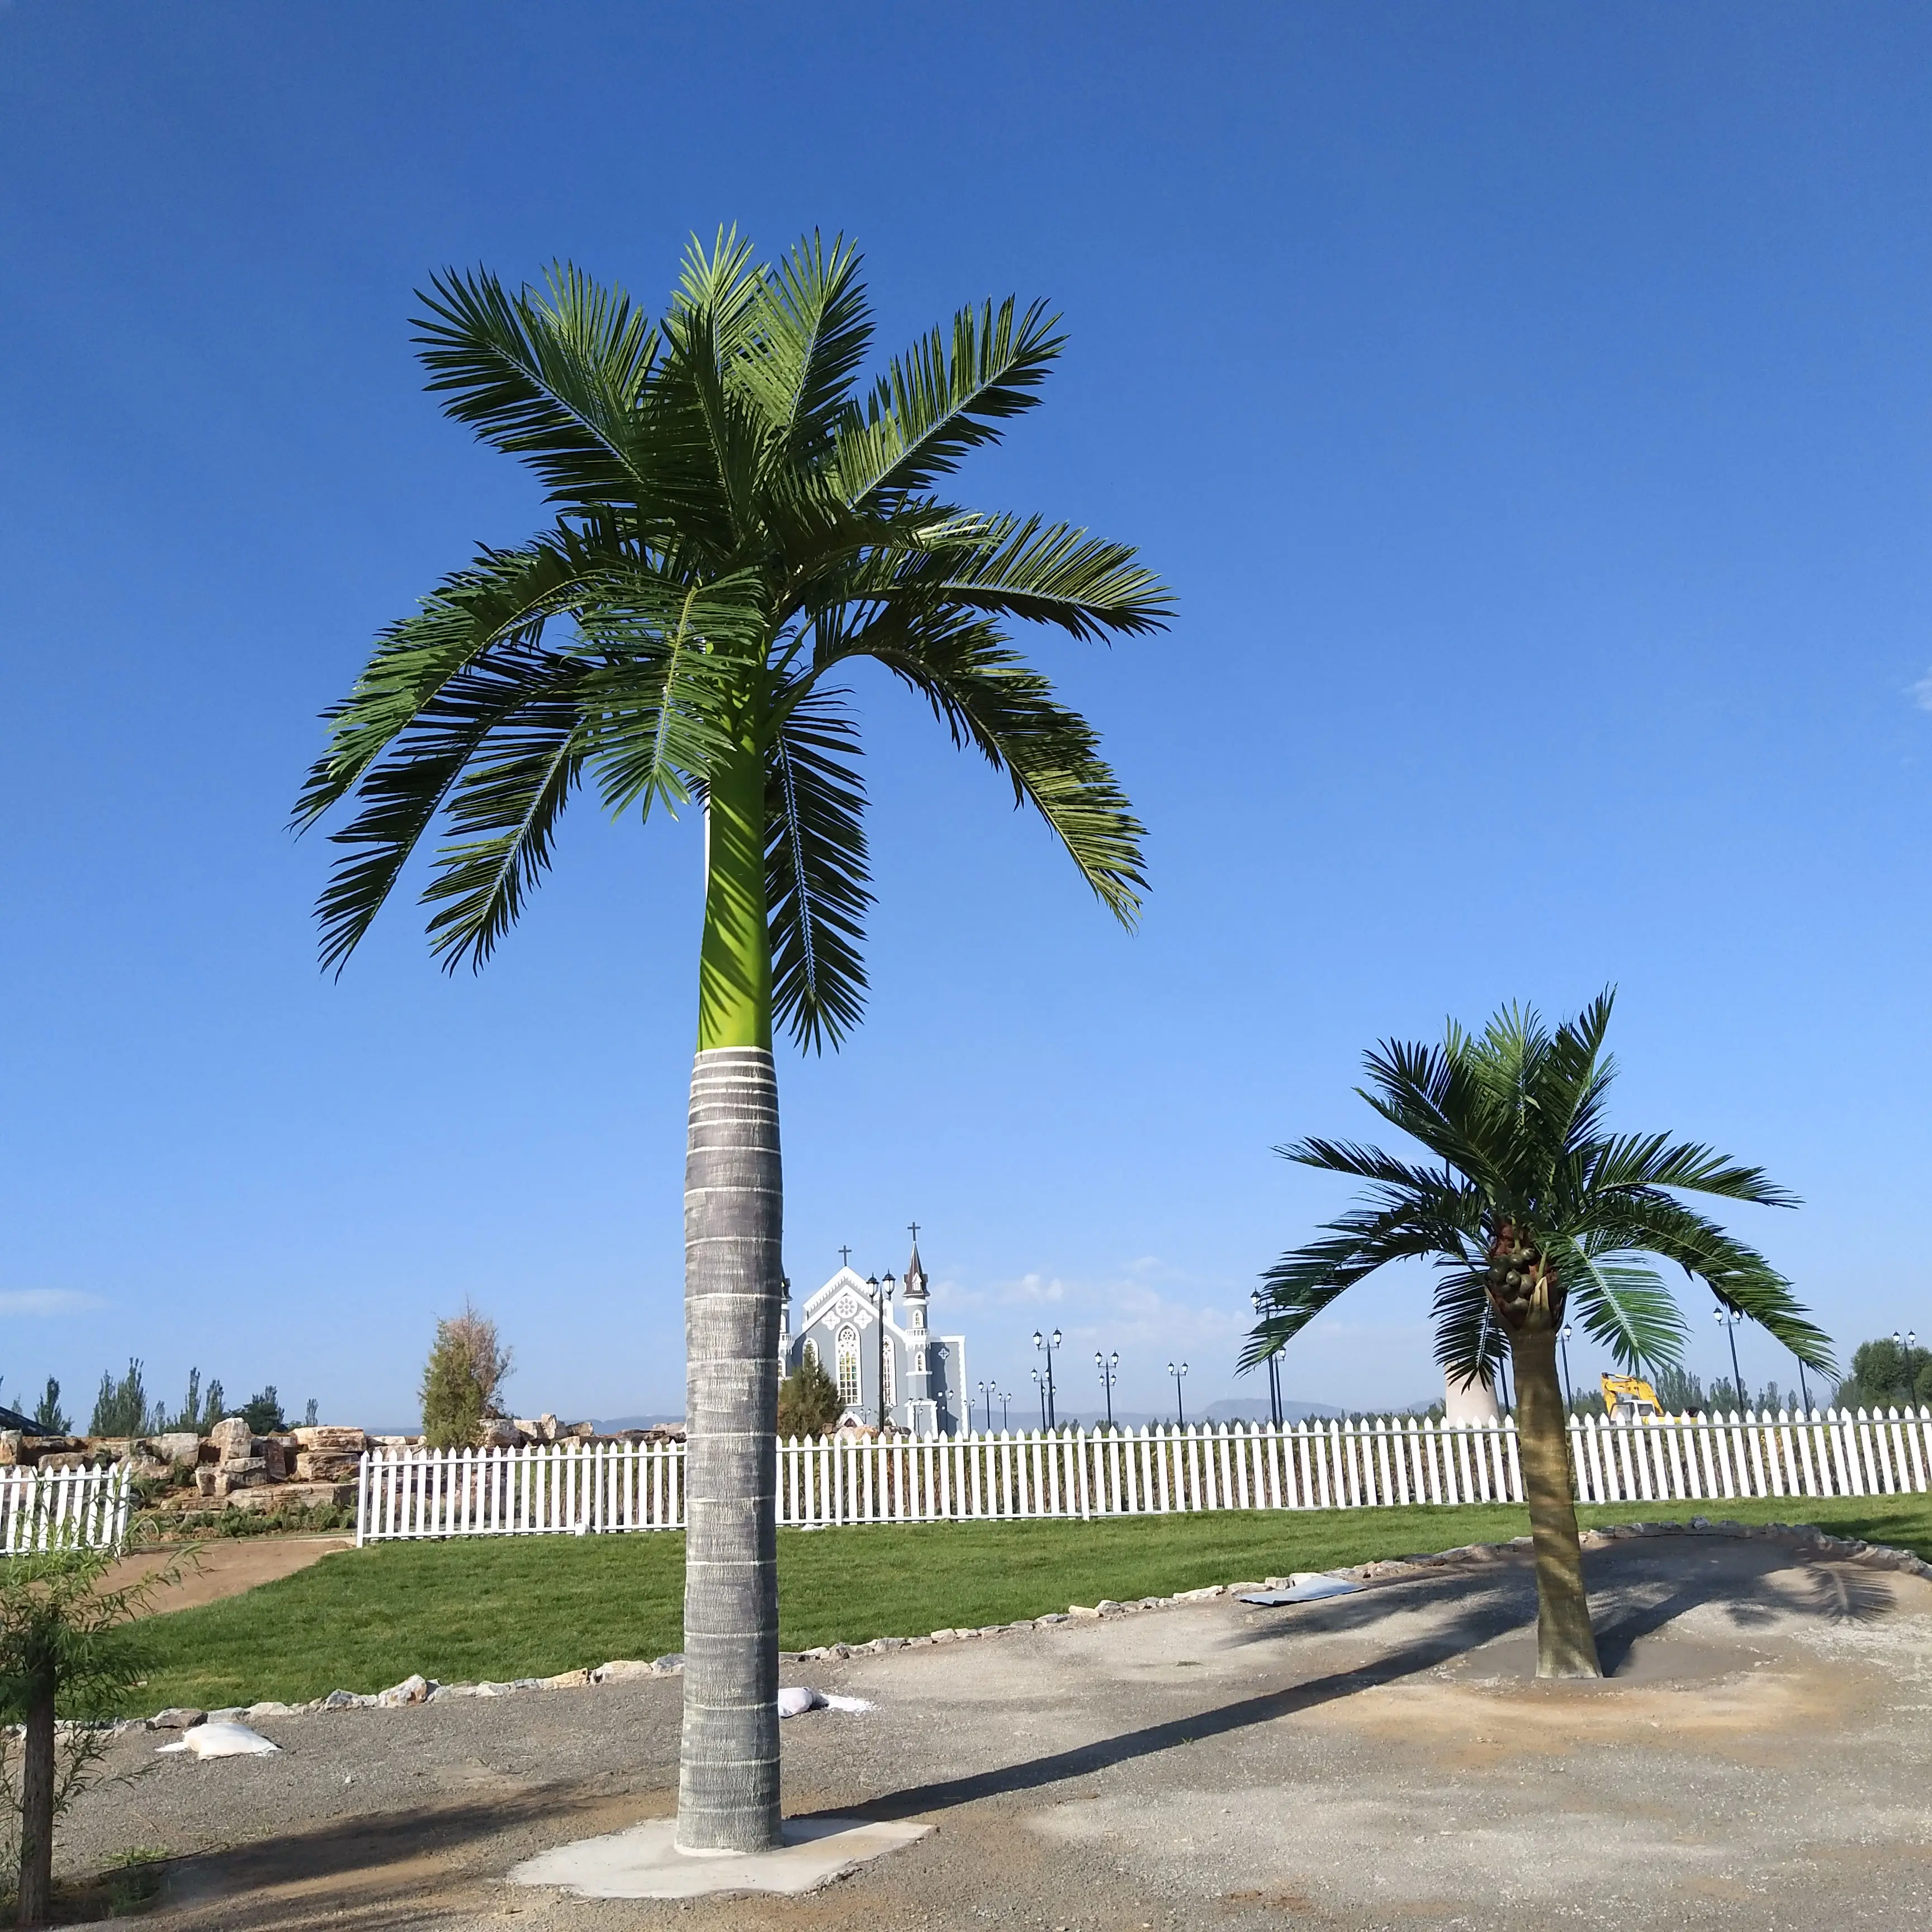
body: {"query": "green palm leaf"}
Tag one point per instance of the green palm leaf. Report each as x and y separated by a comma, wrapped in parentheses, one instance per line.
(816, 886)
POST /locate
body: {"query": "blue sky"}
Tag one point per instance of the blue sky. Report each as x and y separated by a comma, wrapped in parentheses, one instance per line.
(1528, 406)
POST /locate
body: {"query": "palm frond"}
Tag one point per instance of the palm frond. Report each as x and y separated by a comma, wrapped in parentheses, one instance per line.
(562, 382)
(712, 329)
(1470, 1342)
(1622, 1302)
(987, 696)
(817, 883)
(932, 406)
(668, 696)
(1737, 1274)
(402, 795)
(812, 327)
(504, 596)
(509, 802)
(1350, 1248)
(1653, 1160)
(1025, 568)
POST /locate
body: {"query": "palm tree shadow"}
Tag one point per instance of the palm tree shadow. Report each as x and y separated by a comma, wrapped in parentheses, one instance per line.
(1833, 1595)
(1486, 1615)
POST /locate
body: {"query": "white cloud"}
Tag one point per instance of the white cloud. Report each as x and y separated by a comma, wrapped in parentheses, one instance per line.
(46, 1301)
(1921, 692)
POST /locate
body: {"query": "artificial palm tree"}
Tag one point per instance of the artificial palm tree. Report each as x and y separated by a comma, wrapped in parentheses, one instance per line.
(1536, 1214)
(735, 529)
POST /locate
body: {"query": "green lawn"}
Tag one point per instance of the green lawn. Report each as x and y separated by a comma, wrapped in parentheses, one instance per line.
(503, 1607)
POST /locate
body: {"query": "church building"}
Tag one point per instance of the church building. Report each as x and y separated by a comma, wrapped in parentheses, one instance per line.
(840, 1326)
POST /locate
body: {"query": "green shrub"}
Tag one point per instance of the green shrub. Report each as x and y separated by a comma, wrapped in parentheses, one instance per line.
(808, 1402)
(466, 1370)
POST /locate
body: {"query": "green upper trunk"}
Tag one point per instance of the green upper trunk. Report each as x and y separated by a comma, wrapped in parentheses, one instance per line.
(734, 971)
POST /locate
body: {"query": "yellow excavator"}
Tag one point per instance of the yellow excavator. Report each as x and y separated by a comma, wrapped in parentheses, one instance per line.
(1630, 1398)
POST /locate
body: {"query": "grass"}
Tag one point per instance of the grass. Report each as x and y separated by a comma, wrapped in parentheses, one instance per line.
(504, 1607)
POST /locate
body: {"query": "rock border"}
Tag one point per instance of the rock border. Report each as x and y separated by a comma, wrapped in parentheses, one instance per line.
(417, 1690)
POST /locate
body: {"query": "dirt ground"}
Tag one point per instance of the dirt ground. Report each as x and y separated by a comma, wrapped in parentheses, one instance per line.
(1758, 1759)
(222, 1566)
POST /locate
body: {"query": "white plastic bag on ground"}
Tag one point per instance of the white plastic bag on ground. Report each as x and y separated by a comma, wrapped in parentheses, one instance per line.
(795, 1699)
(222, 1739)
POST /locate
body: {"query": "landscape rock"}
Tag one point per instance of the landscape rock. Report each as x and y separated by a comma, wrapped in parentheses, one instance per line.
(10, 1440)
(149, 1469)
(500, 1432)
(275, 1459)
(179, 1446)
(325, 1466)
(346, 1700)
(330, 1439)
(414, 1689)
(233, 1439)
(178, 1717)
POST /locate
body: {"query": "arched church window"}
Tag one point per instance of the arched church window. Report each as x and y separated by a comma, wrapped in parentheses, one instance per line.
(919, 1362)
(891, 1376)
(848, 1364)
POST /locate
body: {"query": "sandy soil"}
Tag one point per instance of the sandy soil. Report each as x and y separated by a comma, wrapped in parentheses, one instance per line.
(1757, 1760)
(222, 1566)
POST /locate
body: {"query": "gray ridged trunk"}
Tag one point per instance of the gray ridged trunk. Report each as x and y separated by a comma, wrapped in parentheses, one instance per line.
(727, 1796)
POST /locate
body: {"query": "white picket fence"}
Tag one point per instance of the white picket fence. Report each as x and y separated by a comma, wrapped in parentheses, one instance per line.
(581, 1488)
(63, 1508)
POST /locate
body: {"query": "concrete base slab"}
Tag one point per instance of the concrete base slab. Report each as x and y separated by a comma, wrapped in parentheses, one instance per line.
(644, 1862)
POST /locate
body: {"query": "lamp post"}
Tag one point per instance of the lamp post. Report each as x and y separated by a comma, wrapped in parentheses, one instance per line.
(986, 1397)
(1905, 1344)
(1006, 1396)
(1728, 1319)
(1040, 1389)
(1180, 1407)
(1274, 1368)
(1563, 1341)
(1049, 1343)
(1109, 1367)
(885, 1302)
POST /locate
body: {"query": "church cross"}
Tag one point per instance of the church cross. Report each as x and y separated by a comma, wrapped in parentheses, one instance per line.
(845, 1257)
(914, 1226)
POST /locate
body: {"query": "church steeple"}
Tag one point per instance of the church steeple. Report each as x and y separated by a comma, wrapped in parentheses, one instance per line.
(913, 1294)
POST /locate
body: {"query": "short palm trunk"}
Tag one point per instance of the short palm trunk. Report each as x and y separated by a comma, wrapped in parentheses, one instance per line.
(1566, 1646)
(727, 1797)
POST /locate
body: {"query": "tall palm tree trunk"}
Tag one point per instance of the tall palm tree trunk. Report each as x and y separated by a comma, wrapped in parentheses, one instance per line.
(36, 1811)
(727, 1797)
(1566, 1646)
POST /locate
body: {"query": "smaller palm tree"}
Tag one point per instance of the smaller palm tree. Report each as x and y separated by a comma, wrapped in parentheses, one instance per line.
(1536, 1215)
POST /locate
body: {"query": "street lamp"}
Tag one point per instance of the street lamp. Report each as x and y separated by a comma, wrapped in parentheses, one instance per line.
(1728, 1319)
(1049, 1343)
(1179, 1407)
(885, 1301)
(1040, 1389)
(1563, 1341)
(986, 1397)
(1110, 1373)
(1006, 1396)
(1273, 1367)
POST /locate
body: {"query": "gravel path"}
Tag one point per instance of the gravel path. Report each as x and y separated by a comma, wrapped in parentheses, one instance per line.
(1382, 1760)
